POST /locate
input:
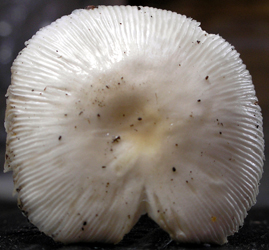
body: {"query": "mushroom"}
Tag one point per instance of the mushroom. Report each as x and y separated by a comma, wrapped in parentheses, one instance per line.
(115, 112)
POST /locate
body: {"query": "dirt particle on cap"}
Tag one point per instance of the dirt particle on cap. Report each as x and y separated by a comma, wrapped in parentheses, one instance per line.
(116, 139)
(91, 7)
(213, 218)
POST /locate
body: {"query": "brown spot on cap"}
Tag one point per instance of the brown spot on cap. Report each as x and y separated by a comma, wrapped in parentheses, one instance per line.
(91, 7)
(116, 139)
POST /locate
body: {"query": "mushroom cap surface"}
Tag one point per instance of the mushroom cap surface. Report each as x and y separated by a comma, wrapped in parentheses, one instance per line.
(114, 112)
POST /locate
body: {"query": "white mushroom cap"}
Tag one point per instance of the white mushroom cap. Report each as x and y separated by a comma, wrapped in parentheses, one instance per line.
(115, 112)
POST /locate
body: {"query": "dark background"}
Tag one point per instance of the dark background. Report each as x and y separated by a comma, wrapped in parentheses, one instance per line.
(245, 24)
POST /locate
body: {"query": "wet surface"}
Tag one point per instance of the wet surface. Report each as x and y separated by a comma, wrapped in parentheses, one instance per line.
(17, 233)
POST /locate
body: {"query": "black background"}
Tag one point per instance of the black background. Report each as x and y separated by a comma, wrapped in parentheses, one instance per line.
(245, 24)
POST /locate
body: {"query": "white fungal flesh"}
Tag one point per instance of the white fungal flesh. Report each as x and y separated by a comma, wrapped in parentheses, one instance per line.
(115, 112)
